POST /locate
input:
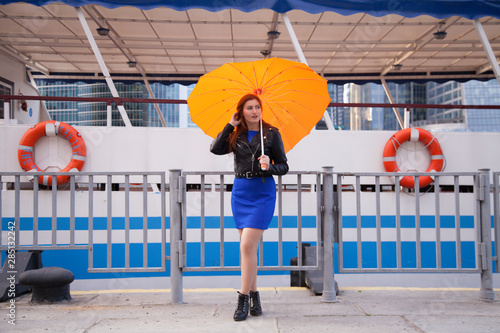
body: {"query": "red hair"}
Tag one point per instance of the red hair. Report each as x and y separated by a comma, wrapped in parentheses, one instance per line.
(243, 127)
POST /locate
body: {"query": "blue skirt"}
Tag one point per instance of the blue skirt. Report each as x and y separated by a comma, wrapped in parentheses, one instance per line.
(253, 201)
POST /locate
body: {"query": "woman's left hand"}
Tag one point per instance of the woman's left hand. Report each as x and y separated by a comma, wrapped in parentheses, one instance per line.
(264, 162)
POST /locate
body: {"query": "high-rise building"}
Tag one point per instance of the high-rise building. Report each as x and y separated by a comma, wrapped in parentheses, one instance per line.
(467, 93)
(337, 113)
(95, 113)
(355, 118)
(66, 111)
(378, 118)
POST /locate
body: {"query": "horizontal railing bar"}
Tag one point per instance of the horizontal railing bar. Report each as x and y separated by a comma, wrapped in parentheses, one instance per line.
(197, 173)
(260, 268)
(120, 100)
(423, 173)
(409, 270)
(83, 173)
(46, 247)
(125, 270)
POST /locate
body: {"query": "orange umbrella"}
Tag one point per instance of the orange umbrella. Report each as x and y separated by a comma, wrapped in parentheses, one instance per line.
(294, 97)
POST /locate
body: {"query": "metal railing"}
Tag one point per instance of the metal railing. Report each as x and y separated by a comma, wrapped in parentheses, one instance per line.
(220, 187)
(454, 211)
(128, 185)
(379, 211)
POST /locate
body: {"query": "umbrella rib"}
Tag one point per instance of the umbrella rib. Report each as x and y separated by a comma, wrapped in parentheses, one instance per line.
(202, 95)
(284, 83)
(298, 65)
(281, 89)
(248, 81)
(292, 115)
(215, 122)
(231, 80)
(207, 109)
(298, 103)
(283, 136)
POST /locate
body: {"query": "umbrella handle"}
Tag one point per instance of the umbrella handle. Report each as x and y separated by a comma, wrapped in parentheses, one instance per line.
(262, 167)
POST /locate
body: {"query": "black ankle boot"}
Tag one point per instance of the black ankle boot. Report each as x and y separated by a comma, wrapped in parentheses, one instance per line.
(255, 308)
(241, 312)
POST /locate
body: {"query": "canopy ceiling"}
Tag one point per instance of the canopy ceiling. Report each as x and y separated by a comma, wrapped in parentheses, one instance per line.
(181, 43)
(471, 9)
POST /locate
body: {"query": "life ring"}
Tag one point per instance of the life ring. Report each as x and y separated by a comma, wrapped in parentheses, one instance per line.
(51, 128)
(413, 134)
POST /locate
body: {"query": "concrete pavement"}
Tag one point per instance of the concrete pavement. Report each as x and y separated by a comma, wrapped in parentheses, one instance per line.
(285, 310)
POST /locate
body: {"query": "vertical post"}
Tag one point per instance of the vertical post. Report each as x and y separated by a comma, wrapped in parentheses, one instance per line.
(91, 222)
(109, 115)
(175, 237)
(486, 293)
(407, 118)
(328, 279)
(6, 111)
(17, 208)
(1, 218)
(496, 213)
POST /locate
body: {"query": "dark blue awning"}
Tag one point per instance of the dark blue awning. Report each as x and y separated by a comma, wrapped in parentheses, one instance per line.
(471, 9)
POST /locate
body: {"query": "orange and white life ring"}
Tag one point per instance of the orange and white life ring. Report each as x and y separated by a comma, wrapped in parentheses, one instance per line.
(51, 128)
(412, 135)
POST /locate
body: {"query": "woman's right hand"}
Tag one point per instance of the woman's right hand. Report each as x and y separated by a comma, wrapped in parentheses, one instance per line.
(234, 120)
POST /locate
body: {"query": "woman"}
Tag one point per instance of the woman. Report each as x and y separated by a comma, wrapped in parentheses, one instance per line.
(254, 190)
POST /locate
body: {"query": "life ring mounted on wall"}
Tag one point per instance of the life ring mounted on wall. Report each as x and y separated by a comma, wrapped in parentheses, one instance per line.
(413, 135)
(52, 128)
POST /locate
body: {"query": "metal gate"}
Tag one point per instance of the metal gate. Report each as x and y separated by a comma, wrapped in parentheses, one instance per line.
(214, 232)
(443, 228)
(93, 212)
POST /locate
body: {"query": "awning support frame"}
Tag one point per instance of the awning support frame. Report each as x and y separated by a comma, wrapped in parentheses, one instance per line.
(102, 65)
(302, 59)
(487, 49)
(389, 96)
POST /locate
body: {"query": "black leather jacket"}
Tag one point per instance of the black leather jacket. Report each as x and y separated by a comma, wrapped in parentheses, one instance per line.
(246, 154)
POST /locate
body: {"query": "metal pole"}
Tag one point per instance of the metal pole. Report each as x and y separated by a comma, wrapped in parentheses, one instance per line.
(328, 278)
(175, 237)
(389, 96)
(293, 37)
(496, 214)
(302, 59)
(109, 116)
(102, 64)
(486, 293)
(487, 49)
(407, 118)
(6, 111)
(152, 94)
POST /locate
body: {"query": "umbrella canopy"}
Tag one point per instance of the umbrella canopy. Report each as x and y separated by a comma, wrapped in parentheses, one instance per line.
(294, 98)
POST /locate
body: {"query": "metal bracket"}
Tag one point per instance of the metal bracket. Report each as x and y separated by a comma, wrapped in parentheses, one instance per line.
(182, 189)
(180, 250)
(482, 187)
(482, 256)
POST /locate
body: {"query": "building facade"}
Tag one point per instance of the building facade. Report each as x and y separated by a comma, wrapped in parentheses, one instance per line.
(95, 113)
(379, 118)
(355, 118)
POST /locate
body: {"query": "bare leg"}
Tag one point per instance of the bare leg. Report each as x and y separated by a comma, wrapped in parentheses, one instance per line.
(249, 244)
